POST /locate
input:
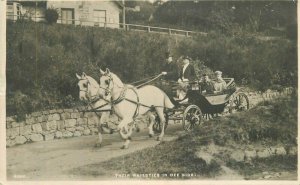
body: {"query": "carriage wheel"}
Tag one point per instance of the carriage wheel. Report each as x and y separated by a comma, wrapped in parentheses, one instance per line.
(157, 124)
(240, 102)
(192, 117)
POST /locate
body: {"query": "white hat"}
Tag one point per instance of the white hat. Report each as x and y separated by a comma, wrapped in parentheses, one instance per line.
(218, 73)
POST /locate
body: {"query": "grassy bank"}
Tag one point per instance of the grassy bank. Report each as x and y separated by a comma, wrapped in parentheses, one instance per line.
(275, 123)
(42, 60)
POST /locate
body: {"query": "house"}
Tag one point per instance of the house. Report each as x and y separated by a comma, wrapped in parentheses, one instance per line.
(85, 13)
(33, 10)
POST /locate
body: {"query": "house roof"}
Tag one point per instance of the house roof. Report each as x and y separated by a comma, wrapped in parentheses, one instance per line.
(44, 2)
(120, 4)
(39, 3)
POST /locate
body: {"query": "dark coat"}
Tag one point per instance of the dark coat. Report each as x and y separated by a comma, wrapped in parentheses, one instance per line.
(189, 73)
(172, 71)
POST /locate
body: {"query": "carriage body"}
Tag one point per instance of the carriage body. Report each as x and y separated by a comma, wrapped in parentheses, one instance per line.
(200, 106)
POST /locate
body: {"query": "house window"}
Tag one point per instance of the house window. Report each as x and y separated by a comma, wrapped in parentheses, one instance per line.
(67, 16)
(18, 11)
(99, 18)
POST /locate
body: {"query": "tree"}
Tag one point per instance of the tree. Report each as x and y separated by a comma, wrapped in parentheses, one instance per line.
(51, 15)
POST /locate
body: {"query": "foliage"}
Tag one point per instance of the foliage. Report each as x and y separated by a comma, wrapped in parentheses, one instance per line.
(51, 15)
(42, 62)
(143, 15)
(226, 16)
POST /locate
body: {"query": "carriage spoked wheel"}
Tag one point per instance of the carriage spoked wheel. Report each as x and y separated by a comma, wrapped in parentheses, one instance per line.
(192, 117)
(157, 124)
(239, 102)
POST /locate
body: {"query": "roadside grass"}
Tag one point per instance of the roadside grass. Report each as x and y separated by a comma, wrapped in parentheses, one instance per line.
(268, 124)
(174, 157)
(286, 163)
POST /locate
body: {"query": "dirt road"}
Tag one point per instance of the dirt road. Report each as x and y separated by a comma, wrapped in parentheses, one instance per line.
(55, 160)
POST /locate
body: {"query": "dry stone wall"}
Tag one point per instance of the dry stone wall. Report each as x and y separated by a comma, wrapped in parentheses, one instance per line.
(49, 125)
(65, 123)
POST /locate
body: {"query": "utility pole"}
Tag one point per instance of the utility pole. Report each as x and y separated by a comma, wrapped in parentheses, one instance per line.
(124, 24)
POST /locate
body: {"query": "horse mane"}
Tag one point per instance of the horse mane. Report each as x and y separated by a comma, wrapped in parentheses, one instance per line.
(117, 80)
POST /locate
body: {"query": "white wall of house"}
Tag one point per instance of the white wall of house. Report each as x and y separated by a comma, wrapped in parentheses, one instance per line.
(87, 13)
(13, 11)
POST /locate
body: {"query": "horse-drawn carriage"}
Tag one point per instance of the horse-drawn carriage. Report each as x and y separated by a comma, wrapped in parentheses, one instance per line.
(200, 106)
(127, 102)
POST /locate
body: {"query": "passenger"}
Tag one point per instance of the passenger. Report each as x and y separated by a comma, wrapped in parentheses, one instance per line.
(207, 86)
(186, 74)
(219, 83)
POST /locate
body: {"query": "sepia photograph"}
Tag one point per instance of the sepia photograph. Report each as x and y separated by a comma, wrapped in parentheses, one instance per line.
(155, 90)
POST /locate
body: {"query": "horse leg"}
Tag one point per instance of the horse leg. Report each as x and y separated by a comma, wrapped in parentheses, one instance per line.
(128, 139)
(100, 139)
(102, 129)
(124, 127)
(152, 120)
(160, 112)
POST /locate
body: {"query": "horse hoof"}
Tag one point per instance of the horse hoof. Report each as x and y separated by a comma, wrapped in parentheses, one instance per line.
(97, 145)
(111, 131)
(158, 138)
(124, 147)
(150, 135)
(137, 129)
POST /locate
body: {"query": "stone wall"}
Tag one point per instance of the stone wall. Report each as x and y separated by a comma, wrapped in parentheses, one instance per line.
(65, 123)
(49, 125)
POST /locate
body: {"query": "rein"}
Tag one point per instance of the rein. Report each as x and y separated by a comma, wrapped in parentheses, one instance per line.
(121, 97)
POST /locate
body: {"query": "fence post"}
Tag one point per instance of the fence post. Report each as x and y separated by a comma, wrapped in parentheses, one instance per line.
(187, 34)
(148, 28)
(169, 31)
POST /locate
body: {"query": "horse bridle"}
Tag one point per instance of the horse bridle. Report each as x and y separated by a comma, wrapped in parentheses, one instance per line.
(107, 90)
(92, 99)
(88, 82)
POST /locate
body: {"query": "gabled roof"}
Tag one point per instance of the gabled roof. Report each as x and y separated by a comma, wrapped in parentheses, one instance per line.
(39, 3)
(43, 2)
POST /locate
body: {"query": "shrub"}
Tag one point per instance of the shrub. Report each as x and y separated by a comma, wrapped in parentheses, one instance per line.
(45, 70)
(20, 104)
(51, 15)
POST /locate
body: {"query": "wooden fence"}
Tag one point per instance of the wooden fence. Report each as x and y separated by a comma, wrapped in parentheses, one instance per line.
(126, 27)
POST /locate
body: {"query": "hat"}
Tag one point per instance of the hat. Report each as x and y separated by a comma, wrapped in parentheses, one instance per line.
(168, 54)
(218, 73)
(205, 74)
(186, 57)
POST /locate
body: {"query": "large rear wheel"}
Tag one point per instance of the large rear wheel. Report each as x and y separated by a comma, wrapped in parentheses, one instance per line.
(239, 102)
(192, 117)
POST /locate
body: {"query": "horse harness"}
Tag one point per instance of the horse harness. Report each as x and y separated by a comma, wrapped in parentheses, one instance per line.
(121, 98)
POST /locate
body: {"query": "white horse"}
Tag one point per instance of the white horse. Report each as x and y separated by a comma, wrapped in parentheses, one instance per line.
(89, 92)
(129, 102)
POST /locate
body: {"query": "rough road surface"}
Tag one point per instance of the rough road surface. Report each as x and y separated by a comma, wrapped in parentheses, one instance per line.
(55, 160)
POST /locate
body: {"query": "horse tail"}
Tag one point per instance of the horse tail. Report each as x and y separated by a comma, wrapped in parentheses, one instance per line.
(168, 104)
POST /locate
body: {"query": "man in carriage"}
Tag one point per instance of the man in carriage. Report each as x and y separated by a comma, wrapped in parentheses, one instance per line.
(219, 83)
(207, 86)
(186, 75)
(170, 69)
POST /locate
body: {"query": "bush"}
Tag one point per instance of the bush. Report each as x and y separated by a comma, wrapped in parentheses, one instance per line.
(51, 15)
(20, 104)
(45, 70)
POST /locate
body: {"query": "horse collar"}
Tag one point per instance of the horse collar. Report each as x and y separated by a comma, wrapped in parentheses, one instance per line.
(121, 97)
